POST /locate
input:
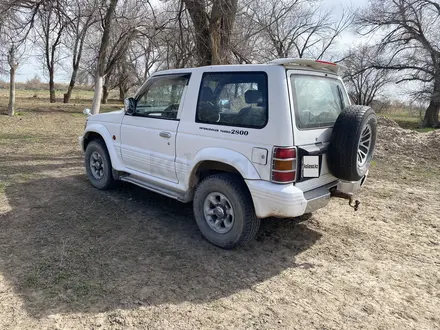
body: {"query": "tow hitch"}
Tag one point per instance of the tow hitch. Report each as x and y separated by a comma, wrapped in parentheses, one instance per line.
(339, 194)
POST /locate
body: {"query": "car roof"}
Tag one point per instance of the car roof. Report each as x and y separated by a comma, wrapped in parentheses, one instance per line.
(288, 63)
(226, 67)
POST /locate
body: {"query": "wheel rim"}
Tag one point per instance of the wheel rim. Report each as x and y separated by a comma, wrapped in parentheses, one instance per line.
(364, 146)
(218, 212)
(97, 165)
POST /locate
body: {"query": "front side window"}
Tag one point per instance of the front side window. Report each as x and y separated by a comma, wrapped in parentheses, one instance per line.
(162, 97)
(318, 100)
(233, 99)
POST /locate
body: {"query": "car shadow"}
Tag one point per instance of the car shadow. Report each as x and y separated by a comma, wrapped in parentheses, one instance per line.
(67, 247)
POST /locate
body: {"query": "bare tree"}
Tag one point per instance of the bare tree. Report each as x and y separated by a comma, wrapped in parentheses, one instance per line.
(364, 82)
(123, 76)
(176, 38)
(51, 29)
(102, 56)
(297, 28)
(146, 55)
(12, 49)
(410, 35)
(84, 16)
(13, 66)
(213, 22)
(121, 25)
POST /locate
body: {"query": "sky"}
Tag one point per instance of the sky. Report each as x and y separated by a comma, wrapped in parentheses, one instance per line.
(32, 67)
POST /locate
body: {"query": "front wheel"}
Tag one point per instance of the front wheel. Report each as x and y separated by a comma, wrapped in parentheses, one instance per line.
(98, 165)
(224, 211)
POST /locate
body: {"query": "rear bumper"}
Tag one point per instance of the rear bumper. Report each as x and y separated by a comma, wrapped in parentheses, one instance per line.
(288, 201)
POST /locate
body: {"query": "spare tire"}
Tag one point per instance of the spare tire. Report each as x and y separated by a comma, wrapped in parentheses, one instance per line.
(352, 143)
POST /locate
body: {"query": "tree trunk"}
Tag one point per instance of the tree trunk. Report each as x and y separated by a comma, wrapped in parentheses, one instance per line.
(212, 32)
(52, 86)
(100, 68)
(68, 95)
(96, 105)
(104, 94)
(11, 105)
(431, 114)
(122, 92)
(200, 20)
(216, 51)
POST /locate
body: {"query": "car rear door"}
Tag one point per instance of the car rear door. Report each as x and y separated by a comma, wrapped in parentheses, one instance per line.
(316, 98)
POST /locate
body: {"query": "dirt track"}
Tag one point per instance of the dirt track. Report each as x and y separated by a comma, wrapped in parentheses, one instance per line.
(75, 257)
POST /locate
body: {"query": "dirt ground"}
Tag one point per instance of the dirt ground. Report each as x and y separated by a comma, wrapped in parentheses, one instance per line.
(73, 257)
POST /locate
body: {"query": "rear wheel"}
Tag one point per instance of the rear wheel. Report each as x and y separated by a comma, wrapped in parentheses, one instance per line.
(98, 165)
(224, 211)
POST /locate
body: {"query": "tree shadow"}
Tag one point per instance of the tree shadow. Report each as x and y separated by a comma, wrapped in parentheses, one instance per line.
(67, 247)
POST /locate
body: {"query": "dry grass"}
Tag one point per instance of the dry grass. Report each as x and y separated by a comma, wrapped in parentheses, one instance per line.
(75, 257)
(25, 102)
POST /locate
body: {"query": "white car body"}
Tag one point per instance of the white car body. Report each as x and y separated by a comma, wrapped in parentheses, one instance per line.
(164, 155)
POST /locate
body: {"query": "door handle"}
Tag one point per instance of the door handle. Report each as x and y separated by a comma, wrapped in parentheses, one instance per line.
(165, 134)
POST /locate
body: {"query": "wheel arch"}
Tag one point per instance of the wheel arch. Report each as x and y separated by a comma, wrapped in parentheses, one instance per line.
(99, 132)
(217, 160)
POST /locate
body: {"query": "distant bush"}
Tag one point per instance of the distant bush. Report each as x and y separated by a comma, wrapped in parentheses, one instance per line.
(35, 84)
(32, 84)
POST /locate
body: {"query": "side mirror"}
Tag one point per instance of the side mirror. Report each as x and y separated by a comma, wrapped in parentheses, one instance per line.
(224, 105)
(129, 105)
(87, 112)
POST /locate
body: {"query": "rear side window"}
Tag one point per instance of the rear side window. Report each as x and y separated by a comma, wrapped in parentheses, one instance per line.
(318, 100)
(233, 99)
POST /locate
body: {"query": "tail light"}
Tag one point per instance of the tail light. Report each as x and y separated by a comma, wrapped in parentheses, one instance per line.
(284, 165)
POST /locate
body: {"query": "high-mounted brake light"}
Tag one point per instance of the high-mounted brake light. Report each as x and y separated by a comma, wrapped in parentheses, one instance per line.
(294, 63)
(284, 165)
(325, 62)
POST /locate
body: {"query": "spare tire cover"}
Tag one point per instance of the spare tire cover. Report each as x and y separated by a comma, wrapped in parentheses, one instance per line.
(352, 143)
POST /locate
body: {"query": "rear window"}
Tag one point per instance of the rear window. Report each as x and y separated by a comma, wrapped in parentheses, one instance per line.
(233, 99)
(317, 100)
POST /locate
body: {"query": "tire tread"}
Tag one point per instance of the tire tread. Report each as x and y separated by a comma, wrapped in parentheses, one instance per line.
(252, 223)
(344, 142)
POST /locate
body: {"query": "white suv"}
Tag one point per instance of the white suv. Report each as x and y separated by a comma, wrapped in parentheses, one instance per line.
(242, 142)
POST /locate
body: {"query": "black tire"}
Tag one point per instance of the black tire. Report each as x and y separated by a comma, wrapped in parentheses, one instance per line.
(344, 143)
(245, 224)
(106, 181)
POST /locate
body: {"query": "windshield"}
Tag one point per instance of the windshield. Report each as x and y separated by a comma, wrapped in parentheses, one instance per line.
(318, 100)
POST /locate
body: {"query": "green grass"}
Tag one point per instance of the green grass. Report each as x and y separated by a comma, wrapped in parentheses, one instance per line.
(78, 114)
(15, 136)
(406, 121)
(2, 187)
(425, 130)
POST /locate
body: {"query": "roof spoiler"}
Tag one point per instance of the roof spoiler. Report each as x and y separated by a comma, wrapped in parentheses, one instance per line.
(314, 64)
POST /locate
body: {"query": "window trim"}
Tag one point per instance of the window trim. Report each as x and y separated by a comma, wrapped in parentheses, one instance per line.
(147, 85)
(292, 92)
(237, 73)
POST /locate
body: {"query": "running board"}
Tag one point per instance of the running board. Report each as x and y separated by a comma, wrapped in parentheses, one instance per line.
(154, 188)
